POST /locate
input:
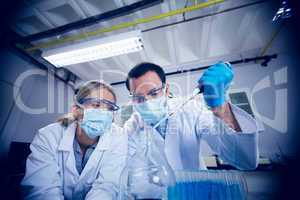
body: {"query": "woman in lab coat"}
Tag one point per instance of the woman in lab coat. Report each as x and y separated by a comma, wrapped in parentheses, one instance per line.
(82, 155)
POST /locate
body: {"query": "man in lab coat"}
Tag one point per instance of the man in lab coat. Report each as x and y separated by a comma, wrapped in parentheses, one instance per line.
(229, 131)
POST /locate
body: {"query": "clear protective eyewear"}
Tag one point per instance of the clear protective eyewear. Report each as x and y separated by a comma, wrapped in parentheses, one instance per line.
(152, 94)
(98, 103)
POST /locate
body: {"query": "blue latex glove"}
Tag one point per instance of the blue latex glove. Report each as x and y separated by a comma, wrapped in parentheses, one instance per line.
(215, 82)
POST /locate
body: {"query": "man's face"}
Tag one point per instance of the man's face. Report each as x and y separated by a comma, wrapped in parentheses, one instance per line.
(146, 84)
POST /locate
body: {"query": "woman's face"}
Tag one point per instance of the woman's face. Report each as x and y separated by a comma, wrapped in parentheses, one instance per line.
(96, 94)
(101, 94)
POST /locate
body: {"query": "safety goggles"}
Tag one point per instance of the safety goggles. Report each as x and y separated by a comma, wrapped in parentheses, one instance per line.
(98, 103)
(152, 94)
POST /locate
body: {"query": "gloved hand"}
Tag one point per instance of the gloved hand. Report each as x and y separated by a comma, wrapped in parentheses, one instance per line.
(215, 82)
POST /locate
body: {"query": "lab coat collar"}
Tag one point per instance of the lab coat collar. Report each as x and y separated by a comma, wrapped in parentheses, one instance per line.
(246, 122)
(104, 142)
(66, 143)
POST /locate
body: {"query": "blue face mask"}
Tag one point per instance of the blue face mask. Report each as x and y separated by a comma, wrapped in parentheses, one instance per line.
(96, 122)
(152, 110)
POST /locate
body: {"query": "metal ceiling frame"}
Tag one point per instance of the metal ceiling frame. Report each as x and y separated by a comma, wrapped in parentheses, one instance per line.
(80, 36)
(265, 60)
(17, 39)
(207, 15)
(8, 40)
(119, 12)
(49, 67)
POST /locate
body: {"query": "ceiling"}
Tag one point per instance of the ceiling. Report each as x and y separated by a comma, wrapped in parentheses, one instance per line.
(241, 32)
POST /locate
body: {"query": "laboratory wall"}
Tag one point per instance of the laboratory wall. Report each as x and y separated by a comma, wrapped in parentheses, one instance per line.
(33, 98)
(30, 99)
(267, 89)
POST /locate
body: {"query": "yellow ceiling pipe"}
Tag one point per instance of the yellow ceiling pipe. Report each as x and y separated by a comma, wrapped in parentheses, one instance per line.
(80, 36)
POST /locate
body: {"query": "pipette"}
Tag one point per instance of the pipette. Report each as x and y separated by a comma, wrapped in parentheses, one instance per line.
(196, 91)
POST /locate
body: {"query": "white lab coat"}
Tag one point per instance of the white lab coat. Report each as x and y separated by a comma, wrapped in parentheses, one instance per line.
(195, 122)
(51, 172)
(185, 132)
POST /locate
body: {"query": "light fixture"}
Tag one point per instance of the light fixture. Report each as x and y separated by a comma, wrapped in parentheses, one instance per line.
(95, 49)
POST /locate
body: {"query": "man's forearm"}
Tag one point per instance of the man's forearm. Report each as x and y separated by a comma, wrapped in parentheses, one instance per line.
(225, 113)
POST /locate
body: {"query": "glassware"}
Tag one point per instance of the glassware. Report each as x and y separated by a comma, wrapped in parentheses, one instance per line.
(147, 174)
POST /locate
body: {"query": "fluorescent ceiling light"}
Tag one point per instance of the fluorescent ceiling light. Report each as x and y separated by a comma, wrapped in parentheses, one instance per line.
(95, 49)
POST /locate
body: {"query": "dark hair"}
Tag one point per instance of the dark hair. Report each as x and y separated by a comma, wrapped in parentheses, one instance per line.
(142, 68)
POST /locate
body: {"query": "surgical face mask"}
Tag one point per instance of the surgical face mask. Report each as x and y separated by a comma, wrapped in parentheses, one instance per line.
(96, 122)
(152, 110)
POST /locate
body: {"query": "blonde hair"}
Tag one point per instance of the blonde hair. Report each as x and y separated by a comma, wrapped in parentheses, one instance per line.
(82, 92)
